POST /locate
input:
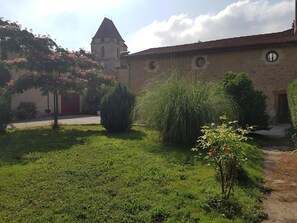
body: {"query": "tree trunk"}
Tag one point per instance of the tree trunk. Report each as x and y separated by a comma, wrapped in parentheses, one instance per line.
(56, 110)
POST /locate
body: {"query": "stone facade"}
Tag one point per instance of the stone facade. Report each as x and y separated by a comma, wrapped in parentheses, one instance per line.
(107, 45)
(211, 63)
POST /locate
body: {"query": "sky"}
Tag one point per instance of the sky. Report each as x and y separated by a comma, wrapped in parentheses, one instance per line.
(146, 24)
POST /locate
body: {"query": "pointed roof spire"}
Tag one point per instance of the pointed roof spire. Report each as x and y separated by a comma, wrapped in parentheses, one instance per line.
(107, 29)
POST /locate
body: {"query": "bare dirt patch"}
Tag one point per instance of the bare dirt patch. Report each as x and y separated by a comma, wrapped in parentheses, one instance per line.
(281, 177)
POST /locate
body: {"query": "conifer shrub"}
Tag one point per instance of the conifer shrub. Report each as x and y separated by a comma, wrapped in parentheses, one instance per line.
(26, 111)
(116, 109)
(178, 106)
(251, 103)
(5, 110)
(292, 100)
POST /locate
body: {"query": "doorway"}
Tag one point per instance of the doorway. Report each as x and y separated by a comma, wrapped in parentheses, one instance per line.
(70, 104)
(283, 114)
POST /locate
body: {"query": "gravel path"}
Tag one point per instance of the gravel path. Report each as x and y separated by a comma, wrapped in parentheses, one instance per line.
(280, 167)
(281, 177)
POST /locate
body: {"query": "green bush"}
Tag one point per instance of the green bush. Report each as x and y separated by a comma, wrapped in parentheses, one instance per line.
(251, 103)
(116, 109)
(92, 101)
(26, 110)
(178, 107)
(292, 100)
(221, 147)
(5, 110)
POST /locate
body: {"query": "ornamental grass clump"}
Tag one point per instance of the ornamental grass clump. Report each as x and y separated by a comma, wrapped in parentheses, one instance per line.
(221, 146)
(178, 106)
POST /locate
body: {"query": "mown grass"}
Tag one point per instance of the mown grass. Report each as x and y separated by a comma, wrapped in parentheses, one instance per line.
(84, 174)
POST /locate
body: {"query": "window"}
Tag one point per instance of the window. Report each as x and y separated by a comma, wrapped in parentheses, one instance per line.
(200, 62)
(152, 66)
(271, 56)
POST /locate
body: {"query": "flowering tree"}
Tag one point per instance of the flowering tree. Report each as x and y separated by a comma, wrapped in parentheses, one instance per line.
(221, 147)
(48, 67)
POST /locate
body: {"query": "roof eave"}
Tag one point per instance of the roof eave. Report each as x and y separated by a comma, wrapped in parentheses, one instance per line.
(213, 50)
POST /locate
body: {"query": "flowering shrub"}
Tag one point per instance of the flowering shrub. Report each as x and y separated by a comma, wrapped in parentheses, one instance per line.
(221, 147)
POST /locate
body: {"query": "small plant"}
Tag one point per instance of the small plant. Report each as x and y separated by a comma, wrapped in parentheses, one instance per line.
(26, 110)
(221, 147)
(116, 109)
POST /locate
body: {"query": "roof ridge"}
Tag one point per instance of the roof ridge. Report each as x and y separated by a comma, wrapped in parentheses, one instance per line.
(225, 42)
(107, 29)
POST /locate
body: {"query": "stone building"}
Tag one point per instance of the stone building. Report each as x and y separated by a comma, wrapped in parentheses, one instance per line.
(107, 45)
(269, 60)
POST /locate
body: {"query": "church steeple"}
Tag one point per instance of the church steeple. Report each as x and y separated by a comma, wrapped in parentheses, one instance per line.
(107, 29)
(107, 44)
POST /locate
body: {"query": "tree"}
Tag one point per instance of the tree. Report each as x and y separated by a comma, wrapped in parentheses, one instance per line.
(49, 68)
(251, 103)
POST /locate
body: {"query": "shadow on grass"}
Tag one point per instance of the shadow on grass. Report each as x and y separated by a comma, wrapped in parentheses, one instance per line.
(16, 145)
(265, 141)
(128, 135)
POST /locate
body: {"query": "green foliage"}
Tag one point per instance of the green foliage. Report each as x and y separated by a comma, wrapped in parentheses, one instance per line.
(4, 76)
(96, 90)
(251, 103)
(74, 174)
(224, 151)
(26, 110)
(159, 215)
(5, 110)
(116, 109)
(292, 100)
(92, 101)
(178, 106)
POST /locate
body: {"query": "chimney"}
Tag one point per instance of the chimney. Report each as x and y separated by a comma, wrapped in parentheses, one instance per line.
(295, 21)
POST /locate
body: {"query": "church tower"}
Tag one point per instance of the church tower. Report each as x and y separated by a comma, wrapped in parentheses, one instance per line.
(107, 44)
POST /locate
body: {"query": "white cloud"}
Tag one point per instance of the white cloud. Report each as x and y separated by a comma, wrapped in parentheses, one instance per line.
(245, 17)
(69, 6)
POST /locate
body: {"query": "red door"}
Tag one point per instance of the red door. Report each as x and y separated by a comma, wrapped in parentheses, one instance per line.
(70, 104)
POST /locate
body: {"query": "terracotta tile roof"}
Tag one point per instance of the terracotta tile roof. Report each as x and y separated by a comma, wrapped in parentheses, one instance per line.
(107, 29)
(284, 37)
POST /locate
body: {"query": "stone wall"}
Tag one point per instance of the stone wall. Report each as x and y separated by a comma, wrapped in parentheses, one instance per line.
(266, 76)
(108, 51)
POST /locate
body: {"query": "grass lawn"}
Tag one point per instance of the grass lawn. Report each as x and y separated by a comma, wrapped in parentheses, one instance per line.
(84, 174)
